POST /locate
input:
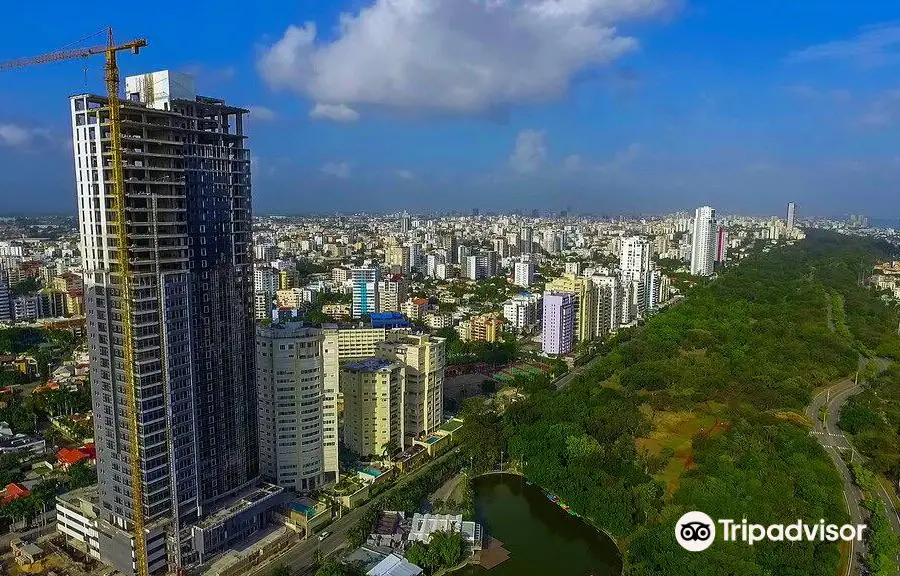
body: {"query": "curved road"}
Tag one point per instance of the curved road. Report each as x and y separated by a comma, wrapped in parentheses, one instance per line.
(834, 442)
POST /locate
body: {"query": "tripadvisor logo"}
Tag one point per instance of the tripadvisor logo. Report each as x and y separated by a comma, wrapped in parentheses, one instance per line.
(696, 531)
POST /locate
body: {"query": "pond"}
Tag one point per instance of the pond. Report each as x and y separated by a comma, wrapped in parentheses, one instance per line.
(540, 536)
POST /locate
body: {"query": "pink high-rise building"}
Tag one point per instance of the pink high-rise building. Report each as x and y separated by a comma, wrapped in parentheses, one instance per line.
(559, 323)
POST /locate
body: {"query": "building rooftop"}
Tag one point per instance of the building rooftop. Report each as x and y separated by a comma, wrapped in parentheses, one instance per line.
(395, 565)
(370, 365)
(241, 503)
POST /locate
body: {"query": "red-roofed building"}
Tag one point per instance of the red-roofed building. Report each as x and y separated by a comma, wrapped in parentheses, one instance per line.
(14, 491)
(68, 457)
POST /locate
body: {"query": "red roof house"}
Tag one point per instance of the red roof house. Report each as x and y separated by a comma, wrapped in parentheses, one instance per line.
(70, 456)
(14, 491)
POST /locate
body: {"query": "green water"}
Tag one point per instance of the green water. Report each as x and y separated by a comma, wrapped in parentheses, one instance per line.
(541, 537)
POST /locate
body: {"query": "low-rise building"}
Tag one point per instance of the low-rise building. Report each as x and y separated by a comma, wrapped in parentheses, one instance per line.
(424, 525)
(395, 565)
(77, 514)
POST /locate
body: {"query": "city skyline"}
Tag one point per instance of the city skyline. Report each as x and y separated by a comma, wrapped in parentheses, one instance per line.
(646, 115)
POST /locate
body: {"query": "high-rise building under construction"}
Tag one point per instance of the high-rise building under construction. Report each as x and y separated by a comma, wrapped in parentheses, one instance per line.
(171, 326)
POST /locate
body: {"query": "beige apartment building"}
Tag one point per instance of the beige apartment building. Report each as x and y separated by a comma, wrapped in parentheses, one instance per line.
(373, 405)
(487, 327)
(423, 358)
(340, 344)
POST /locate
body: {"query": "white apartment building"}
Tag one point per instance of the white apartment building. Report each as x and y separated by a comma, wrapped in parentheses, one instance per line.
(262, 304)
(523, 273)
(391, 293)
(481, 266)
(431, 263)
(634, 257)
(424, 358)
(703, 249)
(77, 519)
(265, 279)
(443, 271)
(523, 312)
(436, 321)
(610, 295)
(290, 386)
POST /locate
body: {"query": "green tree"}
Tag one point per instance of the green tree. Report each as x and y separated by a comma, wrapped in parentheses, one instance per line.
(280, 570)
(418, 554)
(80, 475)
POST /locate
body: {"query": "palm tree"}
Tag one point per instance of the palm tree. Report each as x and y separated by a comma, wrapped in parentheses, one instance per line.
(389, 448)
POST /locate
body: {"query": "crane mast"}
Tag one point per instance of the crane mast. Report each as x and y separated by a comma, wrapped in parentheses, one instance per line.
(125, 280)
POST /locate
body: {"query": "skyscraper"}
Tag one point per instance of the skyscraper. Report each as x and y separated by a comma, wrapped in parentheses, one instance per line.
(636, 267)
(526, 239)
(5, 302)
(170, 323)
(559, 323)
(365, 290)
(289, 368)
(405, 223)
(481, 266)
(791, 214)
(721, 245)
(703, 249)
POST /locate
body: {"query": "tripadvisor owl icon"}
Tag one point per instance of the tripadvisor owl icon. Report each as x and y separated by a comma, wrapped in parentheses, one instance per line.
(695, 531)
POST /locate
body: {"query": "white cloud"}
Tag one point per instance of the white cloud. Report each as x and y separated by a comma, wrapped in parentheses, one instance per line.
(530, 151)
(453, 56)
(873, 46)
(405, 175)
(262, 113)
(336, 169)
(16, 136)
(336, 112)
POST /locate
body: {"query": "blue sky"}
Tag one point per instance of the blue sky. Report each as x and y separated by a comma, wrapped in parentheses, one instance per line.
(601, 105)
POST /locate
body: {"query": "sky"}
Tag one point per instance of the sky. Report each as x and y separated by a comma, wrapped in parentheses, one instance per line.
(601, 106)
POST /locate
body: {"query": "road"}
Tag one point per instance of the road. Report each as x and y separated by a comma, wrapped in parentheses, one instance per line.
(832, 439)
(301, 557)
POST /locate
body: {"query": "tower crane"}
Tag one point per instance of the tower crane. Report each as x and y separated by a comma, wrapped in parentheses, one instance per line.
(111, 76)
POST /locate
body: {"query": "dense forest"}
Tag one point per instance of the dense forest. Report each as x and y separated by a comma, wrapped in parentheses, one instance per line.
(872, 419)
(703, 410)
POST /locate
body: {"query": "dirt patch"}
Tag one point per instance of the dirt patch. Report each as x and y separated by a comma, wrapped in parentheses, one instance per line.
(672, 438)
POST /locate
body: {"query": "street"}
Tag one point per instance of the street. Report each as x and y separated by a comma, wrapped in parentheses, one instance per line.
(832, 439)
(301, 557)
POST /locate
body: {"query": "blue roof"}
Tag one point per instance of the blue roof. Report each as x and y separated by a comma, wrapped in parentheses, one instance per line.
(388, 320)
(387, 315)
